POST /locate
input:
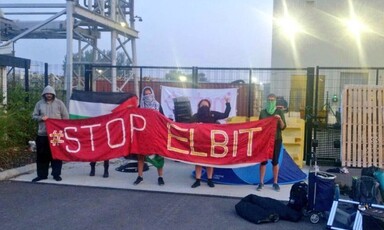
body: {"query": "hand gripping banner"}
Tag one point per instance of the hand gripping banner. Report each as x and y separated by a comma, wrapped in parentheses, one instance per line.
(147, 132)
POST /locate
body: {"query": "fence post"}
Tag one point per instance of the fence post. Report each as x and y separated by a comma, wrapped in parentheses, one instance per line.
(377, 76)
(45, 74)
(195, 77)
(250, 93)
(26, 81)
(141, 82)
(308, 114)
(88, 78)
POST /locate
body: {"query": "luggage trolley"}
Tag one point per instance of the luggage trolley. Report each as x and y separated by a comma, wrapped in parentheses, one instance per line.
(321, 189)
(321, 186)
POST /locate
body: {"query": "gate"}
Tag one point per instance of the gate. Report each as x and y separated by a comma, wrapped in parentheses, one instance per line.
(329, 85)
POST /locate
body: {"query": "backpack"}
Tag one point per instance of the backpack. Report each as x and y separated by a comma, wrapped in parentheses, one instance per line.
(365, 190)
(369, 171)
(298, 196)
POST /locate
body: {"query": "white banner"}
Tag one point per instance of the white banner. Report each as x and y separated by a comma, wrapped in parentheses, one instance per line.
(216, 96)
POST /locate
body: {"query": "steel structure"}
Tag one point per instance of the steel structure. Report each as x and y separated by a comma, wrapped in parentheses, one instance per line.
(80, 20)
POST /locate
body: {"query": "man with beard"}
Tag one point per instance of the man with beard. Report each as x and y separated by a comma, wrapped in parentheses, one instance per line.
(48, 107)
(205, 115)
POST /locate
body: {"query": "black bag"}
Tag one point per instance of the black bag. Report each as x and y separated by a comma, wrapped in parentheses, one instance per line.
(373, 218)
(369, 171)
(370, 222)
(260, 210)
(298, 196)
(365, 190)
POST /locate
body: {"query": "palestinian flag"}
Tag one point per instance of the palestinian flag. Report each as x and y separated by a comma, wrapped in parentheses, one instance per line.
(84, 104)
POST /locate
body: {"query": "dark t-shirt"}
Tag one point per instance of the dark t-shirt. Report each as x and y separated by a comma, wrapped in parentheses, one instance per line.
(265, 114)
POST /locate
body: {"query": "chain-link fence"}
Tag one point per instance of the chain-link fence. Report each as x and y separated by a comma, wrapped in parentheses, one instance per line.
(38, 76)
(312, 94)
(330, 83)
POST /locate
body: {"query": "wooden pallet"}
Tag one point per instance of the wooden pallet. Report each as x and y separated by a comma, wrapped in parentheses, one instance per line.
(362, 126)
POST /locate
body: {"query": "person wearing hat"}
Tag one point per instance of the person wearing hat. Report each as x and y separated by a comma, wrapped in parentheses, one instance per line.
(48, 107)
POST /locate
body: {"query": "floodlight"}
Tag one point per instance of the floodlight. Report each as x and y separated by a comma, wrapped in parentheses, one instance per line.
(289, 26)
(355, 26)
(182, 78)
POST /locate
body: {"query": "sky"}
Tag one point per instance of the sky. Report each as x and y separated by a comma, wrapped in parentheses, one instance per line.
(203, 33)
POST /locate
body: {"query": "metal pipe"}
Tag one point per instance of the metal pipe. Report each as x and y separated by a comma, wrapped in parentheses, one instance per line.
(30, 13)
(35, 28)
(133, 46)
(113, 47)
(69, 57)
(34, 5)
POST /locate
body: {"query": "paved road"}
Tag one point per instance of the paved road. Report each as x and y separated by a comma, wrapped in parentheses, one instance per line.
(26, 205)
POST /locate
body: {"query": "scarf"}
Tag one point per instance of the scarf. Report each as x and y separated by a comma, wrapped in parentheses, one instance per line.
(271, 107)
(149, 101)
(204, 115)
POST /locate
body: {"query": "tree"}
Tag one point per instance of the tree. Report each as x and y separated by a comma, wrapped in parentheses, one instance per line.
(174, 75)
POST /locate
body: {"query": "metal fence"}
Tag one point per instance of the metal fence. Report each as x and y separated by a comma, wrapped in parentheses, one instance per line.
(39, 75)
(329, 85)
(253, 84)
(312, 94)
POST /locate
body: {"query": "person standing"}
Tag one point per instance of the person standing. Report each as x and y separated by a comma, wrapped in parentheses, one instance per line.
(48, 107)
(205, 115)
(147, 100)
(270, 111)
(93, 169)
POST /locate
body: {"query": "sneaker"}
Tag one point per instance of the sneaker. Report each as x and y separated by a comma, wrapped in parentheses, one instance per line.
(210, 183)
(57, 178)
(39, 179)
(138, 180)
(160, 181)
(196, 184)
(260, 187)
(276, 187)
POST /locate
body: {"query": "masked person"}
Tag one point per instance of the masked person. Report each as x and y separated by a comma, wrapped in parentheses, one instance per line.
(148, 100)
(205, 115)
(48, 107)
(270, 111)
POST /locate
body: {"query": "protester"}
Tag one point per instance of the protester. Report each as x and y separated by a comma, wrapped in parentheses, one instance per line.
(205, 115)
(270, 111)
(147, 100)
(48, 107)
(93, 169)
(281, 103)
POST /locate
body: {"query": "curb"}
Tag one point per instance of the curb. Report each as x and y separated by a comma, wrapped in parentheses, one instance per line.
(8, 174)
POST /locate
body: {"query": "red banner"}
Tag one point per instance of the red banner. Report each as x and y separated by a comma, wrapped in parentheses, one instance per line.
(147, 132)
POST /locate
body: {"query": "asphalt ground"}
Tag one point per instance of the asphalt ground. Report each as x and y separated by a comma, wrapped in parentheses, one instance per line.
(26, 205)
(83, 202)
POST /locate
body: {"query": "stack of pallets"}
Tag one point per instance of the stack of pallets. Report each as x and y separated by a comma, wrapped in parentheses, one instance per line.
(362, 126)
